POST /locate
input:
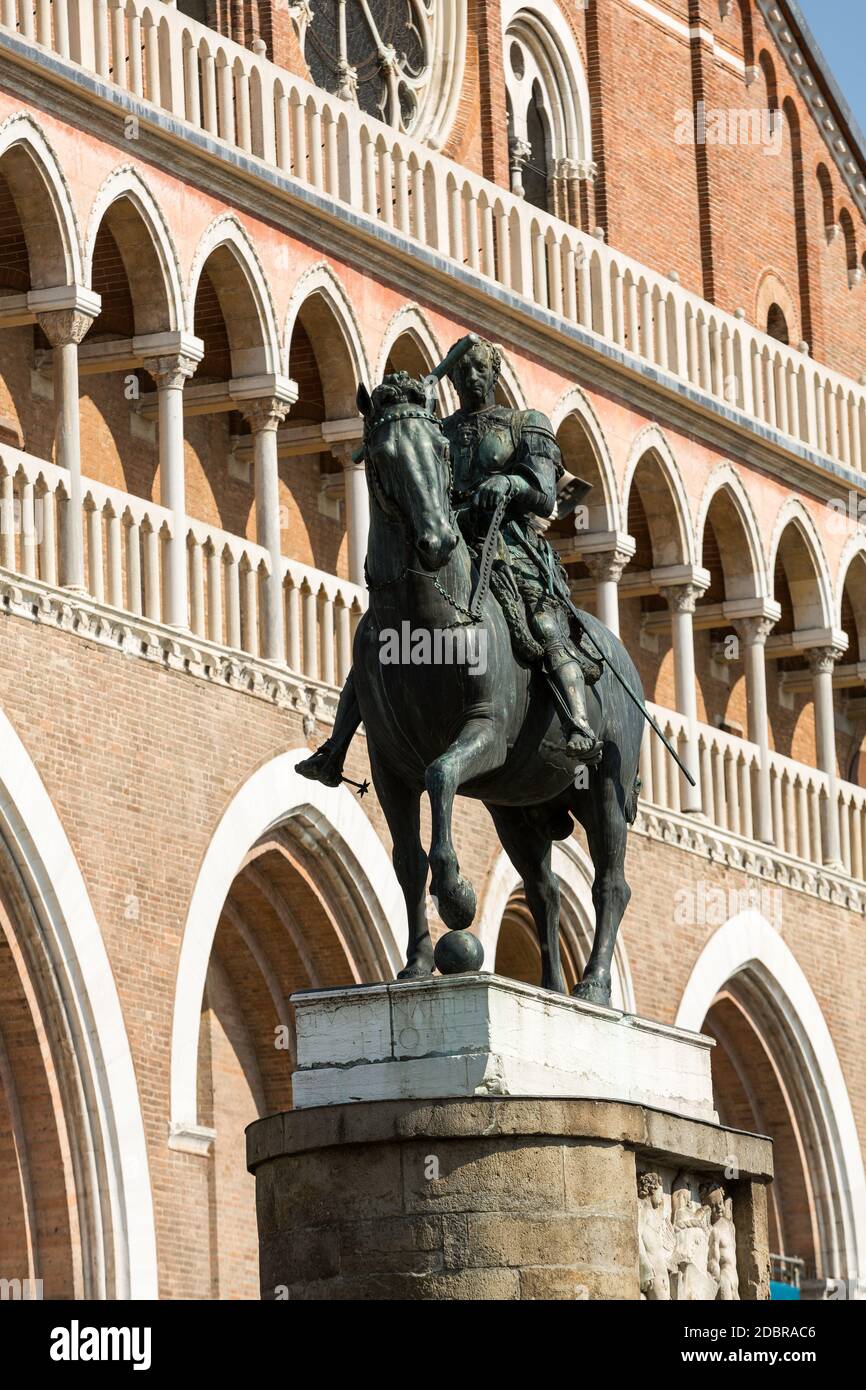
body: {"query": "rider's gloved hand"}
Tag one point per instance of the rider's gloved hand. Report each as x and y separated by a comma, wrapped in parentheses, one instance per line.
(492, 490)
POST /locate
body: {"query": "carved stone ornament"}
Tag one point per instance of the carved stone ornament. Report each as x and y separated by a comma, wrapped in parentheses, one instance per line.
(687, 1241)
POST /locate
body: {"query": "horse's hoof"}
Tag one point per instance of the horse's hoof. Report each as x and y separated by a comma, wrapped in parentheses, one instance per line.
(592, 992)
(457, 905)
(418, 970)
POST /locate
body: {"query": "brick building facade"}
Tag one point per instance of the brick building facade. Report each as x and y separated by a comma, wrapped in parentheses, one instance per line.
(656, 208)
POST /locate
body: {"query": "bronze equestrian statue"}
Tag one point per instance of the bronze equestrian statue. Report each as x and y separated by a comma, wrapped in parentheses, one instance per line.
(547, 732)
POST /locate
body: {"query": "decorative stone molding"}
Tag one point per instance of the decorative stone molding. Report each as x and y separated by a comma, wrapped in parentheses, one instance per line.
(847, 161)
(682, 598)
(192, 1139)
(156, 642)
(823, 659)
(764, 862)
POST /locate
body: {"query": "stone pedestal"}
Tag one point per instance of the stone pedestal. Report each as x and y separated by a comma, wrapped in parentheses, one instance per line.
(477, 1035)
(513, 1181)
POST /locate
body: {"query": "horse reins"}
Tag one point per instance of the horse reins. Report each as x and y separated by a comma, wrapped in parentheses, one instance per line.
(489, 548)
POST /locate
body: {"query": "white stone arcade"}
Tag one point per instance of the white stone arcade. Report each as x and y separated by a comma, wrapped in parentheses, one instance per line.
(482, 1035)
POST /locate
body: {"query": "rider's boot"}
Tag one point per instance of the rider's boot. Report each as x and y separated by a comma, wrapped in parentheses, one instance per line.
(566, 676)
(326, 764)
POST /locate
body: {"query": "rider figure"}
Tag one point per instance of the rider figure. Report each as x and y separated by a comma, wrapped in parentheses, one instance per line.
(497, 451)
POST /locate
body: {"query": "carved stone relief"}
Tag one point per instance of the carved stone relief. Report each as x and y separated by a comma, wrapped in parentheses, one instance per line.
(687, 1240)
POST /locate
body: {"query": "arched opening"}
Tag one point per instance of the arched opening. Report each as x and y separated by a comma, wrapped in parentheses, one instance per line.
(76, 1210)
(825, 188)
(750, 1094)
(800, 588)
(37, 254)
(777, 324)
(127, 270)
(801, 221)
(730, 550)
(40, 1234)
(851, 706)
(508, 934)
(288, 922)
(775, 1072)
(407, 354)
(228, 316)
(518, 955)
(295, 891)
(322, 431)
(595, 508)
(846, 222)
(548, 113)
(659, 526)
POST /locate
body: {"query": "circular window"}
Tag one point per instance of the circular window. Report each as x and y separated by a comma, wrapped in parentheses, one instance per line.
(375, 52)
(518, 63)
(401, 61)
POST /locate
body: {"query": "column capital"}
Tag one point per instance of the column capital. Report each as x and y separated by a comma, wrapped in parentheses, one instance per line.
(266, 413)
(754, 630)
(64, 326)
(606, 566)
(823, 659)
(682, 598)
(171, 368)
(344, 451)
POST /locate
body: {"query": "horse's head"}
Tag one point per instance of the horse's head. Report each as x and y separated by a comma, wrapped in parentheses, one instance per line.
(407, 463)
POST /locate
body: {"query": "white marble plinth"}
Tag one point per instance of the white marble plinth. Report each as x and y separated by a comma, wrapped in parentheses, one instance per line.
(482, 1035)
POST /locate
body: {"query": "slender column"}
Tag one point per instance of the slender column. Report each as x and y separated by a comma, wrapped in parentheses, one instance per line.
(170, 374)
(822, 660)
(519, 152)
(265, 417)
(681, 599)
(753, 633)
(357, 509)
(64, 329)
(606, 567)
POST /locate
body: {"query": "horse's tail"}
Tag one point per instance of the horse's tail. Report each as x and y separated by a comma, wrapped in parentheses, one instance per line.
(632, 800)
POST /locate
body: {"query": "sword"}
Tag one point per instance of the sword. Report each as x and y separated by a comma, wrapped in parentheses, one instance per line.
(634, 698)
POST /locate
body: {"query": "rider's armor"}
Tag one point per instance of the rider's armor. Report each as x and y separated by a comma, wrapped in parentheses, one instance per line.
(521, 443)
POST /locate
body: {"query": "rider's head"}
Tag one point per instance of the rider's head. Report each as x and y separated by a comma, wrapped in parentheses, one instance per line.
(475, 375)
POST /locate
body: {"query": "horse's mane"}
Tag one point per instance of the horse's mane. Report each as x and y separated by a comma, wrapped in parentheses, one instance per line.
(398, 388)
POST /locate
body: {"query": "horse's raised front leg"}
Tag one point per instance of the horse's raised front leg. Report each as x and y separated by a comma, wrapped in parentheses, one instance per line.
(479, 748)
(528, 848)
(402, 807)
(602, 816)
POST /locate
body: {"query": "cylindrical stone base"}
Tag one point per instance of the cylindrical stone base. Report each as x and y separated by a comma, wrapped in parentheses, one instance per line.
(484, 1198)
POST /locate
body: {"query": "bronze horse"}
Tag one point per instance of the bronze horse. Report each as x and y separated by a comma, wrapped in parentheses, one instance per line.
(491, 734)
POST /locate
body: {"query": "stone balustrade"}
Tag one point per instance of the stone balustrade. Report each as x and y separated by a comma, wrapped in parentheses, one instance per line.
(731, 789)
(238, 98)
(126, 543)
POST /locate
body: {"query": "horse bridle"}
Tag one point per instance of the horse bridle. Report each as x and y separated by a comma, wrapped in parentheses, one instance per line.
(389, 508)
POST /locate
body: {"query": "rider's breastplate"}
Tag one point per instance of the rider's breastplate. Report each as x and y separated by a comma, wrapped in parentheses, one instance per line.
(481, 444)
